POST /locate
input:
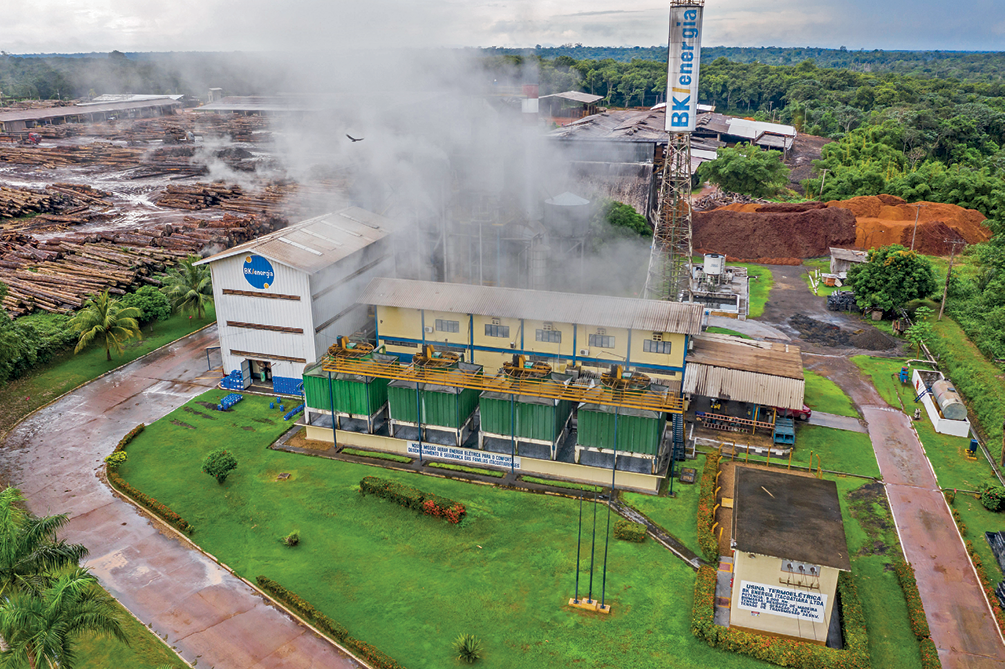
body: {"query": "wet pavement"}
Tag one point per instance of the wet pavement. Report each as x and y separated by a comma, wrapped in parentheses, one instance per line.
(837, 422)
(962, 624)
(197, 606)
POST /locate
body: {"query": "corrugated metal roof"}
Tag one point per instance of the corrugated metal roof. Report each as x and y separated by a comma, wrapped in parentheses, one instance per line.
(742, 127)
(850, 255)
(575, 96)
(597, 310)
(76, 110)
(316, 243)
(763, 357)
(741, 386)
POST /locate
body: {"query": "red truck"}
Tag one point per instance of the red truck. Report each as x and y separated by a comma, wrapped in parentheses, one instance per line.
(798, 414)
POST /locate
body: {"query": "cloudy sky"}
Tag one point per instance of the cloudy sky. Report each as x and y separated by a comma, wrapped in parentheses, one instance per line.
(226, 25)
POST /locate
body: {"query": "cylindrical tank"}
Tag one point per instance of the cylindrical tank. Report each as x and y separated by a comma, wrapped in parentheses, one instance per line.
(715, 264)
(949, 400)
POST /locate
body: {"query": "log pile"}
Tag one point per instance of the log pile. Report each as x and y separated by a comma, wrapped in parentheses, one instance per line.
(719, 198)
(58, 274)
(199, 196)
(102, 153)
(58, 202)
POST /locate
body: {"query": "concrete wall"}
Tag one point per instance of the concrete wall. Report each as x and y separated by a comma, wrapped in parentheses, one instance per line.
(767, 570)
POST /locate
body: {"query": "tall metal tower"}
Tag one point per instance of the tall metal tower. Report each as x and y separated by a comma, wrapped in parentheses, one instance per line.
(669, 276)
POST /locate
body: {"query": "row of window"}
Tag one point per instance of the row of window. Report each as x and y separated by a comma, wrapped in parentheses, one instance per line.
(548, 335)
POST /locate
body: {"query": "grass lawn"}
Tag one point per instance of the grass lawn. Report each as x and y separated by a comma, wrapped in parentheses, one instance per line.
(470, 470)
(838, 450)
(822, 394)
(143, 652)
(67, 371)
(872, 541)
(677, 515)
(725, 331)
(377, 454)
(761, 281)
(562, 484)
(824, 265)
(411, 583)
(882, 372)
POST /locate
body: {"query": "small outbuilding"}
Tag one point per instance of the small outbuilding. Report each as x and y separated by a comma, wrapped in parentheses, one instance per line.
(789, 548)
(843, 259)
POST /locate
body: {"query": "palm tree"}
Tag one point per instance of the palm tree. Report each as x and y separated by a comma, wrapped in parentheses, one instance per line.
(40, 628)
(104, 318)
(189, 286)
(29, 550)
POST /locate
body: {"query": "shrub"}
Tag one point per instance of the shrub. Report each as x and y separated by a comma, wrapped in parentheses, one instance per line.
(292, 539)
(413, 498)
(468, 648)
(929, 654)
(219, 464)
(152, 303)
(784, 652)
(369, 654)
(118, 456)
(161, 510)
(992, 497)
(115, 459)
(706, 504)
(626, 530)
(950, 497)
(915, 608)
(989, 590)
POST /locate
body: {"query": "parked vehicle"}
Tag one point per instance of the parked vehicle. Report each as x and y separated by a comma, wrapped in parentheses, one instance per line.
(798, 414)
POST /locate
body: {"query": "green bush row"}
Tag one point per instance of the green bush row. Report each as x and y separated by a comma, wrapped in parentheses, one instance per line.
(626, 530)
(369, 654)
(915, 609)
(706, 509)
(989, 588)
(413, 498)
(784, 652)
(113, 464)
(162, 510)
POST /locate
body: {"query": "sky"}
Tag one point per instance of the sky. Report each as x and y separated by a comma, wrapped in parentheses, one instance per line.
(70, 26)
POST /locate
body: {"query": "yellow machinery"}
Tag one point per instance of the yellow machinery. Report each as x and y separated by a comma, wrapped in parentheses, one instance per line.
(345, 349)
(519, 368)
(617, 379)
(430, 359)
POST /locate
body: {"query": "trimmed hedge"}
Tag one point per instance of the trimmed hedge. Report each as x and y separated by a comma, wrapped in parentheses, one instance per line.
(915, 609)
(369, 654)
(707, 541)
(784, 652)
(626, 530)
(413, 498)
(164, 512)
(112, 465)
(989, 588)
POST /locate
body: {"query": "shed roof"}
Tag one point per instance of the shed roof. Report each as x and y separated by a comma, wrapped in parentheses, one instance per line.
(575, 96)
(598, 310)
(263, 103)
(76, 110)
(745, 370)
(789, 516)
(851, 255)
(316, 243)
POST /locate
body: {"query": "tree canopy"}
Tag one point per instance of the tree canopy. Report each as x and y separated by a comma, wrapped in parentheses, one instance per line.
(105, 320)
(891, 278)
(747, 169)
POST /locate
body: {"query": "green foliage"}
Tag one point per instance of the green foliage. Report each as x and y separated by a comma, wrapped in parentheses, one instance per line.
(162, 510)
(992, 496)
(115, 459)
(104, 319)
(413, 498)
(747, 169)
(308, 612)
(626, 530)
(707, 540)
(614, 220)
(470, 470)
(781, 651)
(189, 287)
(292, 539)
(893, 277)
(915, 608)
(219, 464)
(921, 331)
(41, 629)
(468, 648)
(151, 303)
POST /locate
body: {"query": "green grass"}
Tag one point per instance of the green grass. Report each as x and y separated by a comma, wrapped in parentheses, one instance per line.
(833, 450)
(470, 470)
(377, 454)
(824, 265)
(561, 484)
(822, 394)
(677, 515)
(411, 583)
(144, 651)
(873, 544)
(761, 282)
(734, 333)
(882, 372)
(67, 371)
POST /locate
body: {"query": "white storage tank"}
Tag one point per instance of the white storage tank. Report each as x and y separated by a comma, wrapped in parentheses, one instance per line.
(949, 401)
(715, 264)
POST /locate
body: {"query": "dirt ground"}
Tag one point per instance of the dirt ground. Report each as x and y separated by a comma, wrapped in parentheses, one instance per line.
(797, 312)
(804, 151)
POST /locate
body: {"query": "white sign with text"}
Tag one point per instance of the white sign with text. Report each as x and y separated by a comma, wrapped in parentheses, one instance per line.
(785, 602)
(464, 455)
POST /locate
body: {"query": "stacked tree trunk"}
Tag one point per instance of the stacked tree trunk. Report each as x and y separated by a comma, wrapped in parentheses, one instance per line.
(63, 156)
(199, 196)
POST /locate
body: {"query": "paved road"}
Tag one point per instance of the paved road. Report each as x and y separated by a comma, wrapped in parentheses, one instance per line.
(837, 422)
(755, 329)
(207, 614)
(961, 622)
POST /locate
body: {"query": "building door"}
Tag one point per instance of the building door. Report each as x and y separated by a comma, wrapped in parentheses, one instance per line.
(246, 372)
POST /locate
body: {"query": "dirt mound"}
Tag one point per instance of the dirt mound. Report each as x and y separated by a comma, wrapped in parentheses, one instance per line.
(789, 207)
(750, 234)
(763, 261)
(885, 220)
(825, 334)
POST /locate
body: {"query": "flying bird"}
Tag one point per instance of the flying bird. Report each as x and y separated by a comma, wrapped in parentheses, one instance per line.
(354, 139)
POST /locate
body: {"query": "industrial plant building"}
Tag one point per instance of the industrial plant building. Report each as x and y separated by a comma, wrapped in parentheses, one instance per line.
(22, 120)
(282, 299)
(789, 548)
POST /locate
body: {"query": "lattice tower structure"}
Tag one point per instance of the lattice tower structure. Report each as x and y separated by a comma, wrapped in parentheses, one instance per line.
(669, 276)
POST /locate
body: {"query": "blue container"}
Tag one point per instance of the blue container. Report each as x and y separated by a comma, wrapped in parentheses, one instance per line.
(272, 405)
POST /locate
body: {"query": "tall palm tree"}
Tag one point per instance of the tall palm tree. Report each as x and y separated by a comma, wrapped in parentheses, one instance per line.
(40, 628)
(103, 318)
(29, 549)
(189, 286)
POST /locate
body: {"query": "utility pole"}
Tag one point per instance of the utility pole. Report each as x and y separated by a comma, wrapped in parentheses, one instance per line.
(916, 217)
(949, 273)
(822, 180)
